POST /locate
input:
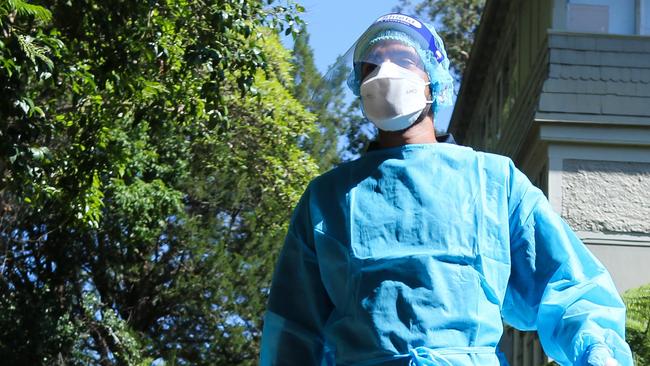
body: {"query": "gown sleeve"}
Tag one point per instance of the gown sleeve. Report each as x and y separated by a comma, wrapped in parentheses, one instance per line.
(298, 303)
(558, 287)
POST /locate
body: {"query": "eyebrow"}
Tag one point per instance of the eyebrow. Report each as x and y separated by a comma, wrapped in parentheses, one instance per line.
(402, 53)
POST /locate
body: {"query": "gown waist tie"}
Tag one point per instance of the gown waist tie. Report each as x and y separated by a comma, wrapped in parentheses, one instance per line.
(424, 356)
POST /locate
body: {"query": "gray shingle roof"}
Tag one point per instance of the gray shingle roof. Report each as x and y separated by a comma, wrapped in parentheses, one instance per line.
(597, 77)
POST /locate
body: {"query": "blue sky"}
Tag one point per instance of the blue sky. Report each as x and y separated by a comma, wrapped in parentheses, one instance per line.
(333, 26)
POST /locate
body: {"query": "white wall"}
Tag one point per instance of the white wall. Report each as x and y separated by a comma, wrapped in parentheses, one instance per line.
(625, 254)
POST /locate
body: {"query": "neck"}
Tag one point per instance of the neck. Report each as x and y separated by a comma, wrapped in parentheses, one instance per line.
(421, 132)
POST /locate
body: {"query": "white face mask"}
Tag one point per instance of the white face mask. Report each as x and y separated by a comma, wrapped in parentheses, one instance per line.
(393, 97)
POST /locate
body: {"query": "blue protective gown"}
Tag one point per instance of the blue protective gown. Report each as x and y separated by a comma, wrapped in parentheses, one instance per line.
(413, 255)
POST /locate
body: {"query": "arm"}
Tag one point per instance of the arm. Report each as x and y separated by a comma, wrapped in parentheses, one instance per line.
(558, 287)
(298, 304)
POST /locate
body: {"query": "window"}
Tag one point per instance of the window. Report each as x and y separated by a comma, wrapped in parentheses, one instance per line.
(644, 17)
(588, 18)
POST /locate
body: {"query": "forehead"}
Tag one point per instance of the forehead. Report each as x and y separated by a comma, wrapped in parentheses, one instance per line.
(389, 49)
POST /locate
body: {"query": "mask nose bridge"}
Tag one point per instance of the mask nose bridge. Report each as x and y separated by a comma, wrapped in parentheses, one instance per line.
(385, 63)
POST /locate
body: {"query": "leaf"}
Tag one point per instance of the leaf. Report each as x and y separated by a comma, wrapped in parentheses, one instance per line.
(38, 153)
(23, 105)
(24, 8)
(35, 52)
(39, 111)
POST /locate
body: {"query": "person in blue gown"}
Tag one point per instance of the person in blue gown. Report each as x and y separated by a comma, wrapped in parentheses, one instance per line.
(415, 253)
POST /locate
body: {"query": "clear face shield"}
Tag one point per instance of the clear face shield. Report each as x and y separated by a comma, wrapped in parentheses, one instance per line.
(395, 46)
(394, 86)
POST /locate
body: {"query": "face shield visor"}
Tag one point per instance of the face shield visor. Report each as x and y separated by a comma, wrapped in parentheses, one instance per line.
(402, 41)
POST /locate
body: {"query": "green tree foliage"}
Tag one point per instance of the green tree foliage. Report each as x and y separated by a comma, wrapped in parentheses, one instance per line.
(149, 162)
(637, 327)
(322, 142)
(341, 133)
(456, 21)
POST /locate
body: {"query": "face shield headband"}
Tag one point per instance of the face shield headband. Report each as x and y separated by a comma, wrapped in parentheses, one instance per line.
(413, 25)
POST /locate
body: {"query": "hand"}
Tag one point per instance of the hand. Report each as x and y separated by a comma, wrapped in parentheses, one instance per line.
(600, 355)
(611, 362)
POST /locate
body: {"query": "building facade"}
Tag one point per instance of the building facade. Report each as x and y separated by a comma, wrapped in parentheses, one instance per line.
(563, 88)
